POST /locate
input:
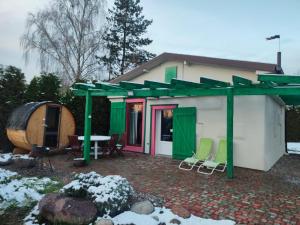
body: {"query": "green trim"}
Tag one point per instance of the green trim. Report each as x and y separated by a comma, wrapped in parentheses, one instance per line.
(108, 86)
(230, 113)
(182, 84)
(212, 82)
(267, 91)
(130, 85)
(79, 92)
(154, 84)
(87, 127)
(240, 81)
(170, 73)
(117, 118)
(83, 86)
(280, 79)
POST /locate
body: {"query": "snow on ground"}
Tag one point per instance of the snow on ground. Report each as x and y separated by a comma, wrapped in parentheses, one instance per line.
(293, 147)
(8, 156)
(5, 157)
(20, 192)
(164, 215)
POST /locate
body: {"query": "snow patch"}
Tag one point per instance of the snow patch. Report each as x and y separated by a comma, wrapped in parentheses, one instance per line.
(20, 192)
(164, 215)
(293, 147)
(5, 157)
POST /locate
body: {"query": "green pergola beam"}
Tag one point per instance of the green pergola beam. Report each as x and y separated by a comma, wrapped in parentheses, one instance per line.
(279, 79)
(179, 92)
(79, 92)
(241, 81)
(84, 86)
(212, 82)
(87, 127)
(230, 113)
(130, 85)
(147, 92)
(109, 93)
(181, 84)
(154, 84)
(107, 86)
(267, 91)
(291, 99)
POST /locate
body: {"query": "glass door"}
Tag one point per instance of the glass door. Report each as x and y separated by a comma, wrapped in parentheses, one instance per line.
(135, 125)
(134, 136)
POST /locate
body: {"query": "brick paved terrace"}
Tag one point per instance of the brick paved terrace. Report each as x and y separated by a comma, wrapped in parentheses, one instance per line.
(252, 197)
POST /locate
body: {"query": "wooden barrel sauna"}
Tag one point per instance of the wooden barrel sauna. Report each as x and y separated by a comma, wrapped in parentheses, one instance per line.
(41, 123)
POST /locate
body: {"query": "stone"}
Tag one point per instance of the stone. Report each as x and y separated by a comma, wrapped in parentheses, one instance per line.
(144, 207)
(104, 222)
(175, 221)
(180, 211)
(57, 209)
(111, 194)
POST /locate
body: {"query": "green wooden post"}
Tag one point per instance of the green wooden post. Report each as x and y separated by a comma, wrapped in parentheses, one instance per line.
(87, 126)
(230, 112)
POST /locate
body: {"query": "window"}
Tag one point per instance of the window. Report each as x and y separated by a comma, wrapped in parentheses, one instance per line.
(166, 125)
(170, 73)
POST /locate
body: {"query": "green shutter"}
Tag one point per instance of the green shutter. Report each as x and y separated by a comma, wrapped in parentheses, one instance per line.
(170, 73)
(117, 117)
(184, 132)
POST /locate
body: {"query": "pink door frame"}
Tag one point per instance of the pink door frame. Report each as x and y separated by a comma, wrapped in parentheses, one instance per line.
(153, 123)
(130, 147)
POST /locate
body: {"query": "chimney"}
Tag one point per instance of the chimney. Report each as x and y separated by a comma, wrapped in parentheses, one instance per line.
(279, 59)
(278, 65)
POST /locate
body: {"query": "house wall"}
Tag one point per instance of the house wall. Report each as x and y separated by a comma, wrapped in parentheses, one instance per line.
(274, 131)
(193, 72)
(258, 126)
(250, 150)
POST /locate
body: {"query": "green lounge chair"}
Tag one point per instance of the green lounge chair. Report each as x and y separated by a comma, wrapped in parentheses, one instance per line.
(202, 153)
(220, 160)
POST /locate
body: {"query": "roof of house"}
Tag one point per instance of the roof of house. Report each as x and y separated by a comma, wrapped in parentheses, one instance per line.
(165, 57)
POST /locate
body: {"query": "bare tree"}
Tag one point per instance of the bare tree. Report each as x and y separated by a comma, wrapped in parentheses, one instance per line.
(67, 35)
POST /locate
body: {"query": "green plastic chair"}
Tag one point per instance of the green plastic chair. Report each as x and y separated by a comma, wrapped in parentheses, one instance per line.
(220, 160)
(202, 153)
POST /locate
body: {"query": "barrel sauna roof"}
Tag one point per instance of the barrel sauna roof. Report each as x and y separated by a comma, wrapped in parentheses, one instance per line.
(19, 118)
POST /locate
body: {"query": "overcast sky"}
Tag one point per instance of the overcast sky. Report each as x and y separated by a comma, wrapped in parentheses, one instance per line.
(232, 29)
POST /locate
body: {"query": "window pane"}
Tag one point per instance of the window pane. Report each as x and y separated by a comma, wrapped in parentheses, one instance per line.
(166, 125)
(135, 124)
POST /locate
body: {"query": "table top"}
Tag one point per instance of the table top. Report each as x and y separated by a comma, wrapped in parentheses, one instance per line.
(96, 138)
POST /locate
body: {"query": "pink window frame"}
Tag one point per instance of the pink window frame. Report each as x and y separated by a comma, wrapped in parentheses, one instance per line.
(130, 147)
(153, 123)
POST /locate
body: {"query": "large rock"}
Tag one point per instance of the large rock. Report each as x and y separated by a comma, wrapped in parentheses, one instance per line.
(111, 194)
(57, 208)
(180, 211)
(144, 207)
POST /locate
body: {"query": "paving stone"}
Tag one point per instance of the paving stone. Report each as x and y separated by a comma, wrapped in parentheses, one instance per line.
(252, 197)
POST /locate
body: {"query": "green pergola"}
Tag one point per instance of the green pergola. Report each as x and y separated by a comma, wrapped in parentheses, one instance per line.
(285, 86)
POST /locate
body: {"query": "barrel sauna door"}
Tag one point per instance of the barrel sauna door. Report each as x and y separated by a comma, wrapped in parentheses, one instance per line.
(52, 122)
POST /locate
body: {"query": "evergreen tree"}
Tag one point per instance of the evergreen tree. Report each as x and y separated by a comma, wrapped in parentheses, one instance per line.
(12, 89)
(43, 88)
(32, 90)
(124, 37)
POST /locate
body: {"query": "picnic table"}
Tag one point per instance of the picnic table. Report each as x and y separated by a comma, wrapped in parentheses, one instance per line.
(96, 139)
